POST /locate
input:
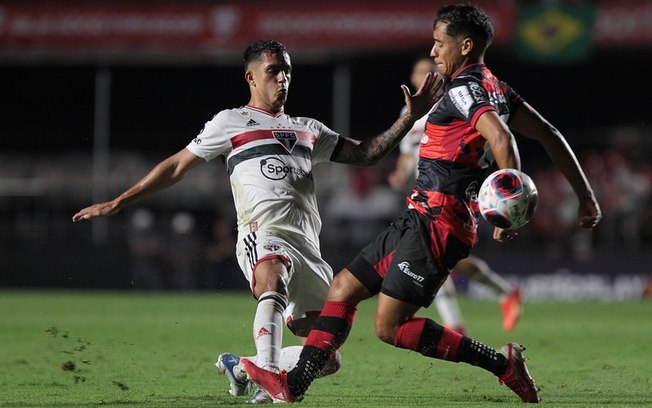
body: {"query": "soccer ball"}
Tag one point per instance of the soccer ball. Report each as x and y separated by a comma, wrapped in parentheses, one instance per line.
(507, 199)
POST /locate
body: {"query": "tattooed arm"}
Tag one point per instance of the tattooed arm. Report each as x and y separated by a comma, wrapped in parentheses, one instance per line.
(371, 150)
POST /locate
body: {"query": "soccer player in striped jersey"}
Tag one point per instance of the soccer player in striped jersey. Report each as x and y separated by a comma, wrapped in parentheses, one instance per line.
(471, 267)
(269, 156)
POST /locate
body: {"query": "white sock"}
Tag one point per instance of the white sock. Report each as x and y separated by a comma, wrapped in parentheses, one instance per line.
(268, 329)
(447, 306)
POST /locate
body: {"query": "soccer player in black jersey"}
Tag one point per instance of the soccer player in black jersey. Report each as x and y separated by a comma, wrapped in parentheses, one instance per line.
(407, 263)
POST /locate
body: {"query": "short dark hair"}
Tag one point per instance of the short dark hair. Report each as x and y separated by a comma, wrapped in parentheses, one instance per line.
(256, 48)
(467, 20)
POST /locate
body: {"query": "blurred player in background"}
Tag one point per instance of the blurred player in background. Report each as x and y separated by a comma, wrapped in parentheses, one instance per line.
(269, 156)
(411, 259)
(471, 267)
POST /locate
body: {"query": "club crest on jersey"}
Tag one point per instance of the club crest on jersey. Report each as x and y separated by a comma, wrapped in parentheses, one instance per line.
(287, 139)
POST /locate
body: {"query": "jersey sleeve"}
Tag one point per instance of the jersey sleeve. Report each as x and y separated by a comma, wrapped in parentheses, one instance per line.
(469, 98)
(513, 98)
(326, 141)
(212, 141)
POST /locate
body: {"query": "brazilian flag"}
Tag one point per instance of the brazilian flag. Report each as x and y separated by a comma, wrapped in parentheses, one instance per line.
(554, 34)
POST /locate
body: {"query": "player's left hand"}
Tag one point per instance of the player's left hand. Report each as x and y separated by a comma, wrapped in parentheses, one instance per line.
(504, 235)
(589, 213)
(431, 90)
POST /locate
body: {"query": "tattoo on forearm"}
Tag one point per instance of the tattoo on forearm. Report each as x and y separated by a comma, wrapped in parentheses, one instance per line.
(370, 150)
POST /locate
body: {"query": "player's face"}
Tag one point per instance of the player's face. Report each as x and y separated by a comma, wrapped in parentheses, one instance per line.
(447, 51)
(270, 80)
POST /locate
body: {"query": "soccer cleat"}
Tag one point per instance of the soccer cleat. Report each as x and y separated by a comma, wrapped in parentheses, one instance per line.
(276, 384)
(260, 396)
(512, 307)
(517, 377)
(228, 364)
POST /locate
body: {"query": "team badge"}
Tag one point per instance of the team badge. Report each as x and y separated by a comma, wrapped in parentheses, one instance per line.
(287, 139)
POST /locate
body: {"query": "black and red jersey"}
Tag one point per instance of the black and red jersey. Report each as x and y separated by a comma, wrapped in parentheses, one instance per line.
(453, 155)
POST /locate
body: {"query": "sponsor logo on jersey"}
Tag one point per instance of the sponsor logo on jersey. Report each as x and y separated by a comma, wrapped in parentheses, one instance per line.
(497, 99)
(477, 92)
(252, 123)
(196, 140)
(462, 99)
(274, 168)
(287, 139)
(405, 268)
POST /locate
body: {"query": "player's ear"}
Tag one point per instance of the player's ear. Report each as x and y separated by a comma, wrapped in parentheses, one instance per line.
(467, 46)
(249, 77)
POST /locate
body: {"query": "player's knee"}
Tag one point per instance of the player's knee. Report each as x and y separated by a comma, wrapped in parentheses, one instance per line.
(385, 330)
(346, 288)
(271, 276)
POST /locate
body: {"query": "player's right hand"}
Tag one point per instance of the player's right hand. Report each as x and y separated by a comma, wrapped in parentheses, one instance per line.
(96, 210)
(504, 235)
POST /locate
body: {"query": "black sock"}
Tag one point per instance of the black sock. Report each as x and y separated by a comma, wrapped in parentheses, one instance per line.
(479, 354)
(307, 369)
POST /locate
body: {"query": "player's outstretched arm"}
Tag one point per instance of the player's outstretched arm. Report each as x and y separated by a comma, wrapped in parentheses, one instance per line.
(165, 174)
(528, 122)
(371, 150)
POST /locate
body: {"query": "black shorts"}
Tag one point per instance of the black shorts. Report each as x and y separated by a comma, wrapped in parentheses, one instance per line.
(410, 259)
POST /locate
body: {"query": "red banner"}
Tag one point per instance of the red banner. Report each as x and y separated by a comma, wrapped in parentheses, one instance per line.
(330, 25)
(228, 27)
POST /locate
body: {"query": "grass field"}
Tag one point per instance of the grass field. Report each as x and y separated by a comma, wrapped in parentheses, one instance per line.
(69, 349)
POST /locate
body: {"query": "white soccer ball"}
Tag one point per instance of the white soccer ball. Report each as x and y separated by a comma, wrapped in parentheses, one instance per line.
(507, 199)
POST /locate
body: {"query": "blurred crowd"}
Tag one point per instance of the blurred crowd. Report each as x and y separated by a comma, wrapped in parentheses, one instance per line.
(173, 252)
(623, 185)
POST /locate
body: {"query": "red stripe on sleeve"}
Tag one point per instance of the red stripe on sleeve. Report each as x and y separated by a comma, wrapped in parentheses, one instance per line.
(478, 113)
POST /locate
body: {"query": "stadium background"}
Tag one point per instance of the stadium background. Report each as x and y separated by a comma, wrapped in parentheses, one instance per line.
(92, 95)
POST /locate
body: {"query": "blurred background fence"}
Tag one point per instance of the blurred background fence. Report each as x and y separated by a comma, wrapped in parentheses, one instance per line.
(93, 94)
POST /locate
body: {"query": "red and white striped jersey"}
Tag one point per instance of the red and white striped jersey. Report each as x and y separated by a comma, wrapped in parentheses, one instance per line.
(269, 159)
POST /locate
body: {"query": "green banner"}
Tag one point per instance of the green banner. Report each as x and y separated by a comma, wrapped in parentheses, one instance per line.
(554, 34)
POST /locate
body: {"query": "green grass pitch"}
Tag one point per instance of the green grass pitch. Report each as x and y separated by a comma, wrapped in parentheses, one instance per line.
(70, 349)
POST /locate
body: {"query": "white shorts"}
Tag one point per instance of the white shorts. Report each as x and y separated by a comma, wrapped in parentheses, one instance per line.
(309, 275)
